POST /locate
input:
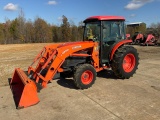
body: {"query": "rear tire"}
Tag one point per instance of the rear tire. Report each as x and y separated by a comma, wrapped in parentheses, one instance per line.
(84, 76)
(125, 62)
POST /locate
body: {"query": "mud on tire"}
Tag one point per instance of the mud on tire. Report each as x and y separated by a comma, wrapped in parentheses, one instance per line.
(125, 62)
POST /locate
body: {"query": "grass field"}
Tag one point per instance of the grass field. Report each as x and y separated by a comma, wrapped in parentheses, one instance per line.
(21, 56)
(16, 56)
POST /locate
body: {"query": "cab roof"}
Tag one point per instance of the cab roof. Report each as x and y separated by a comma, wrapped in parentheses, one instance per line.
(104, 18)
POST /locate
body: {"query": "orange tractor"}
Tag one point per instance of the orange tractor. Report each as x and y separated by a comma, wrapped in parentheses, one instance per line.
(144, 40)
(104, 46)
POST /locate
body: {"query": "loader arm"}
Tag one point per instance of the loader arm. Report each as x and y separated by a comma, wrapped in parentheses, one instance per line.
(45, 65)
(52, 58)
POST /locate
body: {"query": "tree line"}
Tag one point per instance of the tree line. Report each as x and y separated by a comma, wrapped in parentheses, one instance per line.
(154, 29)
(39, 31)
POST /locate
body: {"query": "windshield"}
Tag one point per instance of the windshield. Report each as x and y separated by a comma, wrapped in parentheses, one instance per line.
(113, 30)
(92, 31)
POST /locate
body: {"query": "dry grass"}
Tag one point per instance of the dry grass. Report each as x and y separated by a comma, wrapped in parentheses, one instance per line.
(21, 56)
(148, 52)
(16, 56)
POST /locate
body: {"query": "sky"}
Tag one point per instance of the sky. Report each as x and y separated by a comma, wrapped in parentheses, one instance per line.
(78, 10)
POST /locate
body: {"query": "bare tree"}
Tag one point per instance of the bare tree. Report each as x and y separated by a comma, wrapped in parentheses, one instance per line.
(65, 27)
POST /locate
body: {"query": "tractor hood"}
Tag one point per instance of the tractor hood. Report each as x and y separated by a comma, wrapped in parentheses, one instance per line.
(75, 43)
(72, 45)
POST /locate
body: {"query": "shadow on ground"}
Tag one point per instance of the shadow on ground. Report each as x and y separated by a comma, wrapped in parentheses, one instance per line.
(69, 83)
(107, 74)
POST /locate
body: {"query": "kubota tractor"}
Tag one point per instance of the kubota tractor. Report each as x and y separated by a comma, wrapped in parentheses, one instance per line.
(150, 40)
(138, 38)
(144, 40)
(104, 46)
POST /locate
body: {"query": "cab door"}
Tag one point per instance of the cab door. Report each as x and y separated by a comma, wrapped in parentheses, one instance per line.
(112, 32)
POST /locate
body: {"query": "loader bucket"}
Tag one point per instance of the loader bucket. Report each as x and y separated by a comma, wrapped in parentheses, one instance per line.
(24, 89)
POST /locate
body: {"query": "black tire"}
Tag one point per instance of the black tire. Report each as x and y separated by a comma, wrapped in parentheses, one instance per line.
(82, 71)
(125, 62)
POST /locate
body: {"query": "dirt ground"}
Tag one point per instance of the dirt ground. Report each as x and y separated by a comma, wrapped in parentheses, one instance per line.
(22, 55)
(16, 56)
(109, 99)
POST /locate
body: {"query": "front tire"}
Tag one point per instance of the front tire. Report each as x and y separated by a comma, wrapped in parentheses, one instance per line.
(84, 76)
(125, 62)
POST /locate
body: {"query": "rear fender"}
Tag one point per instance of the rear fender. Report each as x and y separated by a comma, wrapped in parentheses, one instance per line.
(116, 46)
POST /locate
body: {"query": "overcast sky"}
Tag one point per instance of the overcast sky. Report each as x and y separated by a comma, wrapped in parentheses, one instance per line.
(77, 10)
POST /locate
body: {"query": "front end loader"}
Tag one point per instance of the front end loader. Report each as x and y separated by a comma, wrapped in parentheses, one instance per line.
(104, 46)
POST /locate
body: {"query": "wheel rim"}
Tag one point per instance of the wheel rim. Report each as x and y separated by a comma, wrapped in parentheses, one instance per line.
(129, 62)
(87, 77)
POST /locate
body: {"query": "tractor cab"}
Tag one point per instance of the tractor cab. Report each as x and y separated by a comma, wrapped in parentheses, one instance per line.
(107, 30)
